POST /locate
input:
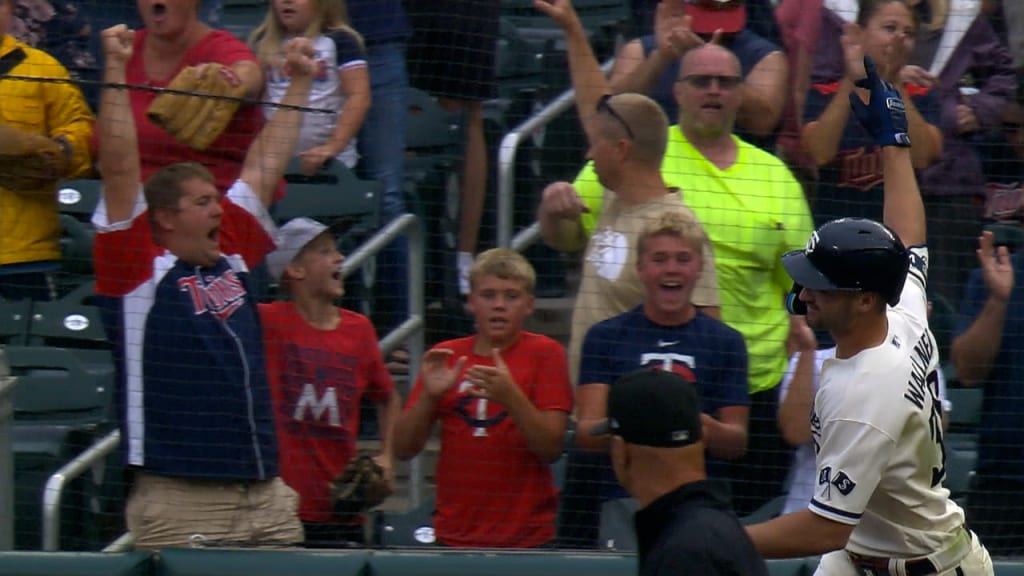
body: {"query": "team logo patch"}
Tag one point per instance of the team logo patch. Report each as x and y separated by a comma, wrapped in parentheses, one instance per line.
(812, 242)
(918, 262)
(843, 483)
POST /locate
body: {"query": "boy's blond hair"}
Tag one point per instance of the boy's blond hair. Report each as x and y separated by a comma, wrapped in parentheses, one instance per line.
(505, 264)
(674, 224)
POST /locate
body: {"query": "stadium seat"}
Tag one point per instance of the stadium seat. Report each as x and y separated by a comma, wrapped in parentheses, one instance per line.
(413, 529)
(256, 562)
(79, 198)
(1009, 235)
(617, 531)
(967, 405)
(75, 564)
(1007, 568)
(332, 194)
(489, 564)
(241, 17)
(14, 320)
(60, 408)
(788, 567)
(960, 463)
(766, 511)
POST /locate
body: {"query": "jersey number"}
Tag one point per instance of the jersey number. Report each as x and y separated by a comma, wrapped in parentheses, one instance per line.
(935, 428)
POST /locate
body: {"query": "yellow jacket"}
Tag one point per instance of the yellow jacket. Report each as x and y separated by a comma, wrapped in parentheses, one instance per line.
(29, 224)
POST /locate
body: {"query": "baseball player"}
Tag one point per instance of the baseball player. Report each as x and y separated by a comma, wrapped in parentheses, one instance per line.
(879, 505)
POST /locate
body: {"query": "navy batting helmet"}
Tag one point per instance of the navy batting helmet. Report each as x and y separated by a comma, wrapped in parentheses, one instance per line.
(852, 254)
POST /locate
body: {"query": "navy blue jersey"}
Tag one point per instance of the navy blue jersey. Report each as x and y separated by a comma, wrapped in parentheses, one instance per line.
(704, 351)
(193, 394)
(851, 184)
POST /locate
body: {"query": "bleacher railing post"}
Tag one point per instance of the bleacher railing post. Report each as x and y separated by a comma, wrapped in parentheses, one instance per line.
(7, 384)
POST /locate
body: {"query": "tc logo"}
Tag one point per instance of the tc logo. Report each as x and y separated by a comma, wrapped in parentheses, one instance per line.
(812, 242)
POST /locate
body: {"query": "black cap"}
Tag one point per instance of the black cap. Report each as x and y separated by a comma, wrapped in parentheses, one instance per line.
(653, 408)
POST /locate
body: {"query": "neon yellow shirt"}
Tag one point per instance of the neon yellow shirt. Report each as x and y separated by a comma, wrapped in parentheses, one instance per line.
(753, 212)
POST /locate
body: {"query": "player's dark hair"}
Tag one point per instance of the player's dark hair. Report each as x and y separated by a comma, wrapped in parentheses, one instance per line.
(163, 190)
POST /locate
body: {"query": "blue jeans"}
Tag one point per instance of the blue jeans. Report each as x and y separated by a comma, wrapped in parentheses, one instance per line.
(382, 150)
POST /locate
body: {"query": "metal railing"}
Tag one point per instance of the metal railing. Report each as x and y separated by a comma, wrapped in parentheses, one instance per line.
(510, 147)
(409, 332)
(7, 384)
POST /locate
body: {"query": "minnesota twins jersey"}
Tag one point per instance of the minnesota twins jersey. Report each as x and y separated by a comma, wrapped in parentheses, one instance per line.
(193, 394)
(704, 351)
(877, 430)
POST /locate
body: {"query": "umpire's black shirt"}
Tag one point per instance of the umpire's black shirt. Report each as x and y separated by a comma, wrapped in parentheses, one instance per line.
(692, 530)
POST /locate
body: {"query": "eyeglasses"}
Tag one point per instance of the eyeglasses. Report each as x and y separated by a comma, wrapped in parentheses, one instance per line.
(603, 105)
(703, 81)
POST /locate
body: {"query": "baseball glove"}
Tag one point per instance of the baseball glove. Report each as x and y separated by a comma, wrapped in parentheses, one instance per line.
(359, 487)
(197, 120)
(29, 161)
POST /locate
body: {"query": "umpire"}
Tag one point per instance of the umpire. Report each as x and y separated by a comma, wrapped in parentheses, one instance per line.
(685, 524)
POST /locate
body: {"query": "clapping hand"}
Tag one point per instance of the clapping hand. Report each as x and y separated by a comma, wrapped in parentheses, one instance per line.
(996, 268)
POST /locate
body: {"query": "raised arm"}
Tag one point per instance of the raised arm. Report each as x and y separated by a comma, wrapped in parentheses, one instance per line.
(673, 37)
(413, 427)
(764, 94)
(587, 78)
(118, 143)
(975, 351)
(270, 152)
(884, 116)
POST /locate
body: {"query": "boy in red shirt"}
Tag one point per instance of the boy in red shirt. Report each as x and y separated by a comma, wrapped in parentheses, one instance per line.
(503, 398)
(321, 361)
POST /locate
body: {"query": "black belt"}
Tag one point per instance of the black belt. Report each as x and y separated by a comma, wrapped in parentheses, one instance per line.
(869, 566)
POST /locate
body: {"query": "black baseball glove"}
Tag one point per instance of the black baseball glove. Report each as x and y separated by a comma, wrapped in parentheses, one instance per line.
(360, 487)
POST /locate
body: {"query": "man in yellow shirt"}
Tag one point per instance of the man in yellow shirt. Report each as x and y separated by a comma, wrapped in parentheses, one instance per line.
(753, 211)
(29, 222)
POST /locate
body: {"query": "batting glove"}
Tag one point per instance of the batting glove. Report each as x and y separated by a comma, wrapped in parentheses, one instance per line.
(885, 115)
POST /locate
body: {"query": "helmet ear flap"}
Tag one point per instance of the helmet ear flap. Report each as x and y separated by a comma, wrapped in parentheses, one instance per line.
(794, 305)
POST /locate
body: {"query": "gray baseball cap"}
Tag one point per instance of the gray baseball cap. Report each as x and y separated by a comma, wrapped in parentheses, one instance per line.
(290, 239)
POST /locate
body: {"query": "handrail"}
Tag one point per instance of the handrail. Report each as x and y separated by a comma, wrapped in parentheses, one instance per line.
(410, 331)
(54, 491)
(510, 147)
(7, 384)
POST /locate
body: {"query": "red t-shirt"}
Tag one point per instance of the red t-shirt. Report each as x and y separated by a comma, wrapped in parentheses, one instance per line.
(157, 148)
(317, 380)
(491, 490)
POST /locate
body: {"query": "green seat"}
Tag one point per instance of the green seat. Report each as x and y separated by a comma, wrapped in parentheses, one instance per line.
(788, 567)
(1009, 235)
(54, 385)
(1008, 568)
(75, 564)
(967, 405)
(256, 562)
(334, 193)
(79, 198)
(412, 529)
(60, 409)
(241, 17)
(960, 463)
(14, 320)
(485, 564)
(942, 323)
(74, 322)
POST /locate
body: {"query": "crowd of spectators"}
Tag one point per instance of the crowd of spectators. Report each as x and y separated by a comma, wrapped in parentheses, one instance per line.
(716, 144)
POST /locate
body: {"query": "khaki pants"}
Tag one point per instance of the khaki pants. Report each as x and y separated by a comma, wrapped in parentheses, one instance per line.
(975, 563)
(175, 512)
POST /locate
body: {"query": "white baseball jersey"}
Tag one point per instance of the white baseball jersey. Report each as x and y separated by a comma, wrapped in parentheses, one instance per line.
(877, 429)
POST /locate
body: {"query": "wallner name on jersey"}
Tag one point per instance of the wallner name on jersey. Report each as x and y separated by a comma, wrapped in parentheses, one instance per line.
(877, 431)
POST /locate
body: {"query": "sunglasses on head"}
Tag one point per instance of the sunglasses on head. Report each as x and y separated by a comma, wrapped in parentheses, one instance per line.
(703, 81)
(603, 105)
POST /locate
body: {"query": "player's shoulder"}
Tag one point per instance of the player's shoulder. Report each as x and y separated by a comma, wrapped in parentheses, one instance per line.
(610, 327)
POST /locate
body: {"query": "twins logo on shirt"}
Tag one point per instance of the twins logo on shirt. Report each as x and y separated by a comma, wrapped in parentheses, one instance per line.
(860, 168)
(219, 295)
(681, 364)
(478, 419)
